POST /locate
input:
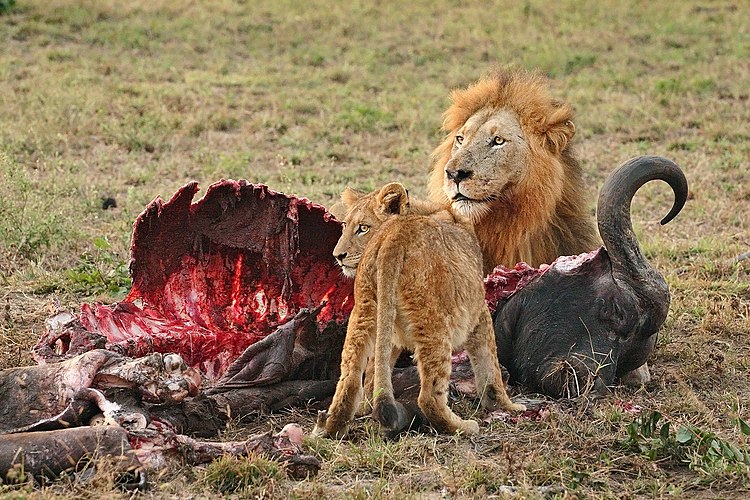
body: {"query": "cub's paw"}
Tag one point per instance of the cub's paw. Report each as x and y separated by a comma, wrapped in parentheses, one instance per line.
(392, 416)
(320, 424)
(517, 407)
(328, 427)
(365, 408)
(469, 427)
(505, 405)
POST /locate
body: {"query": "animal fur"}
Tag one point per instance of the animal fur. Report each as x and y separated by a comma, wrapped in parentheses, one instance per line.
(418, 286)
(539, 212)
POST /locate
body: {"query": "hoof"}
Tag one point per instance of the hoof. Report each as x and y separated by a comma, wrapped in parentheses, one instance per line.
(393, 418)
(637, 377)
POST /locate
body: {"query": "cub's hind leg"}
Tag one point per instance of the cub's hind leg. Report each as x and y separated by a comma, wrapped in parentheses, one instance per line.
(392, 415)
(482, 351)
(367, 400)
(358, 346)
(434, 366)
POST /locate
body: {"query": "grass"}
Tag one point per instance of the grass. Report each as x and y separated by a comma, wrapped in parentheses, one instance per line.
(129, 100)
(247, 476)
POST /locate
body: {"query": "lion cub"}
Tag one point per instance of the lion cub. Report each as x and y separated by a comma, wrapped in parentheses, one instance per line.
(418, 286)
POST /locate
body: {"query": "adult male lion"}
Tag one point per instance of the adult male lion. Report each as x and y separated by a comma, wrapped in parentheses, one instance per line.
(507, 163)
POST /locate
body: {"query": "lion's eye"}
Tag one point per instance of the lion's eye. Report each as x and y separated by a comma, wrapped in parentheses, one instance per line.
(459, 139)
(498, 141)
(362, 229)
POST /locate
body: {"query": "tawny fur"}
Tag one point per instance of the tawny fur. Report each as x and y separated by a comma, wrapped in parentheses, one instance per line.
(418, 286)
(539, 214)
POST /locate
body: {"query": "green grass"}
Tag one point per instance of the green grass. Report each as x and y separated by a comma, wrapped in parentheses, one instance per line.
(250, 477)
(129, 100)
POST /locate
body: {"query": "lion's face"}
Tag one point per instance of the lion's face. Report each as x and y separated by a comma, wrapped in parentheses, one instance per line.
(489, 157)
(507, 164)
(358, 228)
(365, 214)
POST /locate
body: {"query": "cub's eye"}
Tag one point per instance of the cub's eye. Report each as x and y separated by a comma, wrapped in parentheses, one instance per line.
(343, 225)
(362, 229)
(459, 139)
(498, 141)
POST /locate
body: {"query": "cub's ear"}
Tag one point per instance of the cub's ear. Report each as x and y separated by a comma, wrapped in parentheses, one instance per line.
(393, 199)
(350, 196)
(560, 129)
(339, 210)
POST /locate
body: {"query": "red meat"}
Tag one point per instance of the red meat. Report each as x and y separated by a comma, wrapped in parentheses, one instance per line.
(214, 276)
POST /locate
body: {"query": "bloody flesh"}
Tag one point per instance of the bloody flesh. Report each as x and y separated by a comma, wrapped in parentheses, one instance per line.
(503, 282)
(212, 277)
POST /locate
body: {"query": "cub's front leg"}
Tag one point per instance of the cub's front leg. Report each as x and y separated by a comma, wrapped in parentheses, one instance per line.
(358, 346)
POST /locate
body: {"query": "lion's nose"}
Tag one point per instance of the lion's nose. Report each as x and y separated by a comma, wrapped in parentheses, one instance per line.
(340, 257)
(458, 175)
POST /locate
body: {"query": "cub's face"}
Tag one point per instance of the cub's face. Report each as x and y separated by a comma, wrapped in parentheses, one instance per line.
(365, 214)
(358, 227)
(489, 156)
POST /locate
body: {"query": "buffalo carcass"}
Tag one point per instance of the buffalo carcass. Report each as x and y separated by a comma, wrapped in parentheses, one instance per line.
(211, 278)
(584, 321)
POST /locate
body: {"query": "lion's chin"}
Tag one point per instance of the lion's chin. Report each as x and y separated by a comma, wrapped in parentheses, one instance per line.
(471, 209)
(349, 272)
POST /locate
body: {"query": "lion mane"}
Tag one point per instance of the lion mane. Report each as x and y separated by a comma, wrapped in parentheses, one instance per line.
(540, 213)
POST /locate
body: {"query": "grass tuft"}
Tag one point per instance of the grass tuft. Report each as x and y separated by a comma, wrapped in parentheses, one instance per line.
(30, 224)
(6, 6)
(702, 451)
(249, 477)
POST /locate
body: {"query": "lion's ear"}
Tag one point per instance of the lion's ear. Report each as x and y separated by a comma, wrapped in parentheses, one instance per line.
(339, 210)
(350, 196)
(560, 130)
(393, 198)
